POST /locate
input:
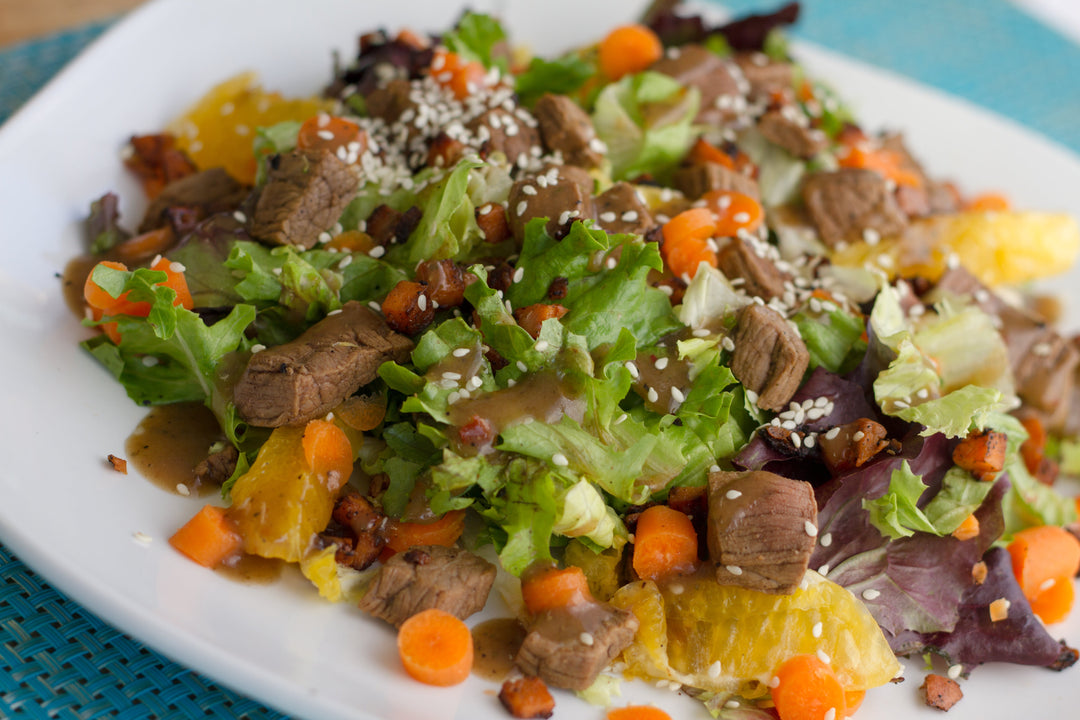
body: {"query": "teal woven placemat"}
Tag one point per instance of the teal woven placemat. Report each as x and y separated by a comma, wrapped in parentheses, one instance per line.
(57, 660)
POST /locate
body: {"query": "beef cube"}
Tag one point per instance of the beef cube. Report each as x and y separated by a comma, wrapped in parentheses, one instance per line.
(696, 180)
(1044, 364)
(205, 193)
(568, 647)
(762, 529)
(722, 87)
(790, 129)
(844, 203)
(493, 223)
(761, 277)
(621, 209)
(566, 128)
(764, 74)
(769, 357)
(304, 379)
(502, 131)
(430, 576)
(305, 194)
(561, 202)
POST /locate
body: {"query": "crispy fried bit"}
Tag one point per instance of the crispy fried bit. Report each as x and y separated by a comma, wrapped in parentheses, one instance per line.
(941, 692)
(978, 572)
(1066, 659)
(445, 281)
(527, 697)
(558, 288)
(999, 610)
(356, 514)
(407, 308)
(119, 464)
(386, 225)
(444, 151)
(478, 432)
(532, 317)
(156, 161)
(853, 445)
(493, 223)
(982, 454)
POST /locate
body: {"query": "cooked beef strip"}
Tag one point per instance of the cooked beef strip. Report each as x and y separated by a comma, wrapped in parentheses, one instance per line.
(207, 192)
(429, 576)
(762, 529)
(306, 378)
(567, 129)
(562, 202)
(620, 209)
(764, 74)
(722, 86)
(305, 194)
(569, 647)
(502, 131)
(936, 196)
(843, 203)
(762, 279)
(788, 129)
(696, 180)
(769, 357)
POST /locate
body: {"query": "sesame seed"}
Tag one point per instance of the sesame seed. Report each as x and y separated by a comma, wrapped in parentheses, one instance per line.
(774, 682)
(620, 419)
(632, 369)
(453, 397)
(858, 435)
(377, 252)
(528, 190)
(731, 704)
(830, 714)
(630, 216)
(149, 360)
(715, 670)
(832, 433)
(823, 656)
(521, 207)
(421, 302)
(954, 671)
(661, 363)
(871, 236)
(182, 489)
(239, 217)
(871, 594)
(653, 395)
(560, 460)
(586, 639)
(324, 237)
(676, 589)
(751, 396)
(564, 217)
(823, 570)
(810, 528)
(826, 540)
(375, 306)
(347, 260)
(796, 440)
(541, 346)
(611, 263)
(257, 348)
(810, 441)
(817, 629)
(714, 468)
(1047, 584)
(475, 383)
(734, 569)
(451, 375)
(728, 344)
(141, 538)
(522, 366)
(518, 274)
(607, 217)
(741, 217)
(677, 395)
(701, 332)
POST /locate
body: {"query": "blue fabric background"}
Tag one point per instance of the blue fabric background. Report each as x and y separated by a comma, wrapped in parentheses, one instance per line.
(57, 660)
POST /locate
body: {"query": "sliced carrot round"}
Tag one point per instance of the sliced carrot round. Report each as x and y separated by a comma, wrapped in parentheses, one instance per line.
(401, 536)
(807, 689)
(327, 132)
(637, 712)
(628, 49)
(1053, 603)
(328, 450)
(436, 648)
(552, 588)
(734, 211)
(665, 543)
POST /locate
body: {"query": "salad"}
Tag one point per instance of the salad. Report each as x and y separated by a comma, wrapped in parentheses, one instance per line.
(711, 385)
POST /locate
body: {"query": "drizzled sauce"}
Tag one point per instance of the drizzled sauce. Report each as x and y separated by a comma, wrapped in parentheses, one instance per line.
(252, 569)
(169, 442)
(495, 645)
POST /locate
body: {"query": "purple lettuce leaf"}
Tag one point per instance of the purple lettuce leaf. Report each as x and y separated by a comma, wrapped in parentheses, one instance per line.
(913, 583)
(746, 34)
(1020, 638)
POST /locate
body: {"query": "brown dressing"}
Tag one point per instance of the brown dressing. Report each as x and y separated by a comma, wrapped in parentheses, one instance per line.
(73, 281)
(252, 569)
(543, 396)
(675, 374)
(169, 442)
(495, 645)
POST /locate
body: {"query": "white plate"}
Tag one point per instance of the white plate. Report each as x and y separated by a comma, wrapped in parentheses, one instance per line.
(71, 519)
